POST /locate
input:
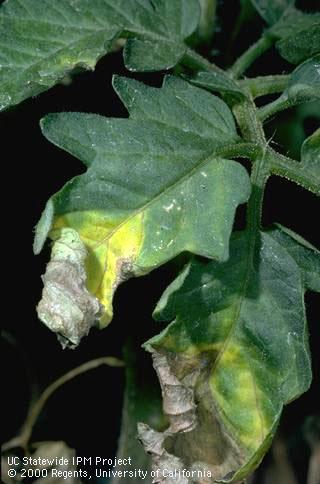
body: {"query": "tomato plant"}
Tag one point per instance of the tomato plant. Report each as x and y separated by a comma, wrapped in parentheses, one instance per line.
(164, 184)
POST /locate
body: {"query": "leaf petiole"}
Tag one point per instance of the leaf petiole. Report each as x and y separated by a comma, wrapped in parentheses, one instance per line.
(280, 104)
(263, 85)
(292, 170)
(252, 130)
(250, 55)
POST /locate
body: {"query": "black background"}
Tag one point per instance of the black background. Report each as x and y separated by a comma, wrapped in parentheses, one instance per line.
(86, 412)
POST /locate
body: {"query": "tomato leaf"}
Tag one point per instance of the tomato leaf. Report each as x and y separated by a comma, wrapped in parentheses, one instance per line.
(43, 41)
(297, 34)
(155, 185)
(236, 352)
(303, 86)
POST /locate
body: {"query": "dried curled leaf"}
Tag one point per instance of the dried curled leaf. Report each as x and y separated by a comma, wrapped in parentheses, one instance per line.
(67, 307)
(163, 463)
(177, 395)
(196, 447)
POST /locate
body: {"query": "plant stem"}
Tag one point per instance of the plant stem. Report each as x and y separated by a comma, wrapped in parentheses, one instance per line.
(252, 130)
(292, 170)
(262, 85)
(207, 20)
(278, 164)
(249, 123)
(250, 55)
(274, 107)
(22, 439)
(283, 102)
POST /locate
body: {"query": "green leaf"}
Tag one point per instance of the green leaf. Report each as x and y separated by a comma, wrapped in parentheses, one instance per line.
(310, 155)
(155, 185)
(236, 352)
(297, 34)
(302, 45)
(303, 86)
(306, 256)
(217, 81)
(271, 11)
(41, 42)
(304, 82)
(145, 55)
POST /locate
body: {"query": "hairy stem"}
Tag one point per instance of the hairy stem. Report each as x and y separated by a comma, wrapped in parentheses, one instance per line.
(280, 104)
(292, 170)
(278, 164)
(262, 85)
(250, 120)
(250, 55)
(274, 107)
(249, 123)
(252, 130)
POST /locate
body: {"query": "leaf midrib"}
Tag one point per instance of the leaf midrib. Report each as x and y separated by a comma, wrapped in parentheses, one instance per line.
(214, 141)
(167, 189)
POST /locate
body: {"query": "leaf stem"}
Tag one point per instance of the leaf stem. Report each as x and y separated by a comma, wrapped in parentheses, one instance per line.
(278, 164)
(207, 21)
(274, 107)
(252, 130)
(22, 439)
(250, 55)
(292, 170)
(280, 104)
(249, 123)
(263, 85)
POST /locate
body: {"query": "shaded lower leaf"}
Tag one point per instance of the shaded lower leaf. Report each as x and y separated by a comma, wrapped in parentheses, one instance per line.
(154, 185)
(236, 352)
